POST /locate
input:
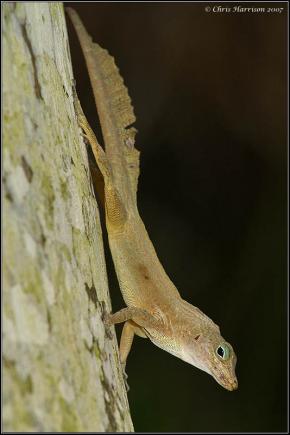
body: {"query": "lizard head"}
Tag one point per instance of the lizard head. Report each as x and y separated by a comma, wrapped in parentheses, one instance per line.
(208, 351)
(202, 345)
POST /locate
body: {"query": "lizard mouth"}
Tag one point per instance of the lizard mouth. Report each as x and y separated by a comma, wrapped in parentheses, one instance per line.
(233, 385)
(228, 384)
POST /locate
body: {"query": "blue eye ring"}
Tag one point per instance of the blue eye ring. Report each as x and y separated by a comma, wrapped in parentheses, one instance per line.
(223, 351)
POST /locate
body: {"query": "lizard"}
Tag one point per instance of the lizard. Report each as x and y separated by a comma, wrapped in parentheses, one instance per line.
(154, 307)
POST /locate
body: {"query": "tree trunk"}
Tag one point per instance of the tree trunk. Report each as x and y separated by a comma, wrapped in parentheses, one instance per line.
(61, 368)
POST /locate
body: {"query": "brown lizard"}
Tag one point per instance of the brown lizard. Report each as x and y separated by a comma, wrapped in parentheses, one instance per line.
(155, 308)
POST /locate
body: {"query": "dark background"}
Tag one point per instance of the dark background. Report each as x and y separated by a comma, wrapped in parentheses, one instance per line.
(210, 96)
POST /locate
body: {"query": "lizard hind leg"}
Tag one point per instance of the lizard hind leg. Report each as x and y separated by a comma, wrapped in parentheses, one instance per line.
(99, 153)
(115, 209)
(116, 213)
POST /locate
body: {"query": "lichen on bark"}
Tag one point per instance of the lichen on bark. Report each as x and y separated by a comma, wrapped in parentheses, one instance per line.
(60, 367)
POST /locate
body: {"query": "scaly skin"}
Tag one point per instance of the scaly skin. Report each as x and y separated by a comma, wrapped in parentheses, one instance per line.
(155, 308)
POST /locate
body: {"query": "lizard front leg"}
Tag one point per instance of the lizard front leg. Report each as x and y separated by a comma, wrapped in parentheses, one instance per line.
(140, 316)
(135, 320)
(127, 337)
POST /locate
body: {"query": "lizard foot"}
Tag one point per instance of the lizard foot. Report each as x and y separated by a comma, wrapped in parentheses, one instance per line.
(107, 319)
(84, 136)
(107, 323)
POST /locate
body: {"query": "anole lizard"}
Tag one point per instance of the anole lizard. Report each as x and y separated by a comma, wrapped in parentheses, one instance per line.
(155, 308)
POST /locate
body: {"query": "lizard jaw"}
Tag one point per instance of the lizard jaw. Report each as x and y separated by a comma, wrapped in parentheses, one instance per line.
(228, 384)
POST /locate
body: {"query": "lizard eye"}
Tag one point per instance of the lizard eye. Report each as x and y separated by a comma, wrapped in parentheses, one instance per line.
(223, 352)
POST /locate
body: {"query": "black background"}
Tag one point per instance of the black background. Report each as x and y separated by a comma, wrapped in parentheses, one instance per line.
(210, 95)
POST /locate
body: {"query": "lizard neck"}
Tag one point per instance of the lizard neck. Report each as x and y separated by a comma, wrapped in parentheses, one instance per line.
(192, 316)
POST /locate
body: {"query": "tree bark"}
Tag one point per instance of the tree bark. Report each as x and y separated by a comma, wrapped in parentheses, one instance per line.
(61, 368)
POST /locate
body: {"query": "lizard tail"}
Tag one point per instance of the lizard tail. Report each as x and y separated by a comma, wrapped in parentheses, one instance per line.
(115, 112)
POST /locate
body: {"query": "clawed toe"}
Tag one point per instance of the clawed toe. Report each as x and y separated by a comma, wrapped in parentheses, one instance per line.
(84, 135)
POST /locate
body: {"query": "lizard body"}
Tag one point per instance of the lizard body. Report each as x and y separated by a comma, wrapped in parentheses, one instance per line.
(155, 308)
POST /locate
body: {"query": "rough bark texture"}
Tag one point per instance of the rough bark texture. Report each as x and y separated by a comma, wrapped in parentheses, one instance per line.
(61, 370)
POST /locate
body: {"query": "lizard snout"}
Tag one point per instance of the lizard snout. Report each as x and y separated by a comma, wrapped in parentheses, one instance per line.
(233, 385)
